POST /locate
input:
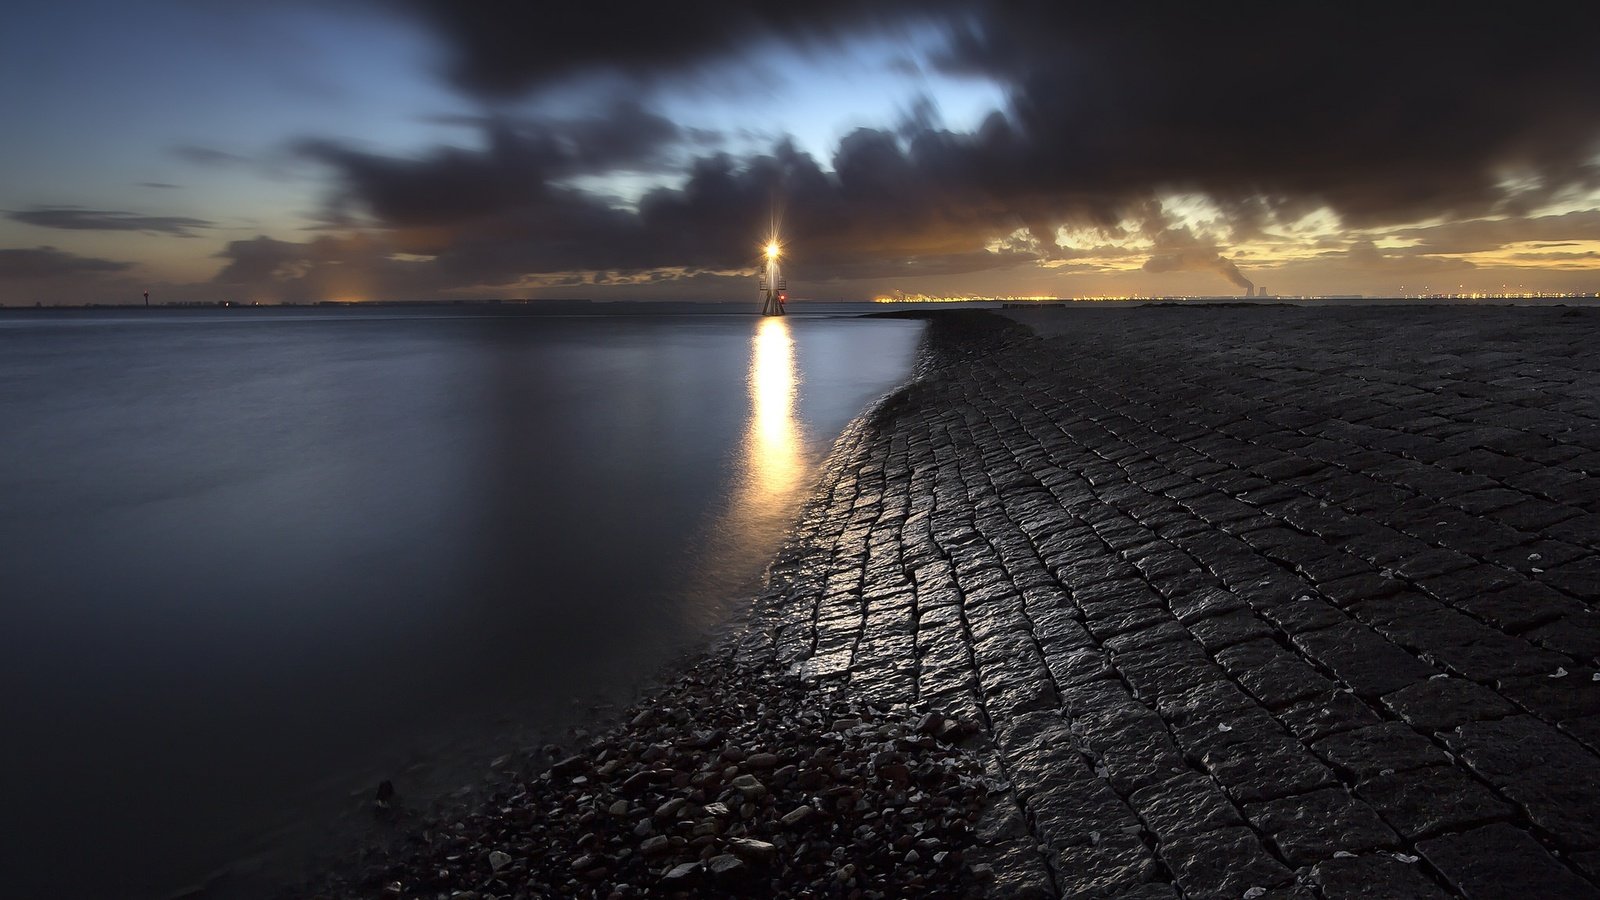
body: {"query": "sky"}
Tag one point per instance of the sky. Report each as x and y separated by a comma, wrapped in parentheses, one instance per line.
(209, 150)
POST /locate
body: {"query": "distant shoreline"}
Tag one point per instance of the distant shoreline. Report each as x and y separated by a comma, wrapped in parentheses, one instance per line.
(556, 306)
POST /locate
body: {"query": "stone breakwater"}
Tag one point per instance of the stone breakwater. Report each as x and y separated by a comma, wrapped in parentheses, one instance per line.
(1246, 603)
(1169, 603)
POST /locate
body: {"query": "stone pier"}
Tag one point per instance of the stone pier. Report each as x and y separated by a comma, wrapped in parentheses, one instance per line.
(1258, 602)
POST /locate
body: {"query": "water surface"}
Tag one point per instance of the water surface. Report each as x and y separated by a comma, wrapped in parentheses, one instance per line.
(250, 562)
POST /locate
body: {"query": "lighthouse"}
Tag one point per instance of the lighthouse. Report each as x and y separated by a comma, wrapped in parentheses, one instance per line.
(774, 289)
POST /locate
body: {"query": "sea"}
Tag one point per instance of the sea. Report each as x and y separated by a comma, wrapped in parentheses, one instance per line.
(255, 561)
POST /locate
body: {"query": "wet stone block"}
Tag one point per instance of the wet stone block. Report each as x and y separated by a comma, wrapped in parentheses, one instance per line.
(1070, 812)
(1115, 861)
(1370, 751)
(1105, 624)
(1472, 648)
(1512, 748)
(1226, 630)
(1520, 607)
(1585, 730)
(1263, 766)
(1151, 636)
(1204, 603)
(1143, 755)
(1576, 635)
(1587, 862)
(1380, 611)
(1364, 586)
(1424, 802)
(1501, 862)
(1440, 704)
(1222, 864)
(1580, 578)
(1076, 666)
(1362, 658)
(1167, 670)
(1555, 699)
(1020, 694)
(1312, 827)
(1303, 613)
(1376, 876)
(1184, 804)
(1204, 703)
(1432, 562)
(1480, 579)
(1562, 806)
(1316, 718)
(1272, 674)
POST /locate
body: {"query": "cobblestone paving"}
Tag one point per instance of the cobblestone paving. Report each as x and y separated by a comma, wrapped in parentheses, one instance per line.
(1251, 602)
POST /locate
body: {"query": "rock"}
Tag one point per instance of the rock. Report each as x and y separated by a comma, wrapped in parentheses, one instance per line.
(498, 859)
(797, 815)
(727, 867)
(654, 845)
(762, 761)
(572, 765)
(753, 850)
(586, 862)
(750, 787)
(682, 876)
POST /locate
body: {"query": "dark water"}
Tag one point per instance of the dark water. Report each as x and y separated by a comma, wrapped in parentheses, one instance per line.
(250, 563)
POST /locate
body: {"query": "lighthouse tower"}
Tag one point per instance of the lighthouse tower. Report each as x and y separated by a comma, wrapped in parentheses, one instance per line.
(774, 288)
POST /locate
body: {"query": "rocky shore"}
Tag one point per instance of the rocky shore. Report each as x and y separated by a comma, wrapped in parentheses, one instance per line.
(1140, 603)
(732, 780)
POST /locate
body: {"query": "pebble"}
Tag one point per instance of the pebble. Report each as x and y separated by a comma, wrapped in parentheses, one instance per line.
(797, 815)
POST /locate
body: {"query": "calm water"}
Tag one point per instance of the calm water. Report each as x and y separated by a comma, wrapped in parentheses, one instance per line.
(250, 563)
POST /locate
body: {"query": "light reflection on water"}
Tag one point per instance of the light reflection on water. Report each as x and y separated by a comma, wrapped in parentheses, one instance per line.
(774, 455)
(769, 480)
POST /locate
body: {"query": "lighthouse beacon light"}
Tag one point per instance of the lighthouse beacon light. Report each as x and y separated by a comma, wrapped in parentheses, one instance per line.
(773, 286)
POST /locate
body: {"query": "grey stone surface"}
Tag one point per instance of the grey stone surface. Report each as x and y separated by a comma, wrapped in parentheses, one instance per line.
(1234, 591)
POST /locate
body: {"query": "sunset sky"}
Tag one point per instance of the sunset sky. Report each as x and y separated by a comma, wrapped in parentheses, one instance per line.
(414, 149)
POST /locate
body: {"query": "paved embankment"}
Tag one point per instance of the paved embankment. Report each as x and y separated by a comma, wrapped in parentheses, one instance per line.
(1263, 602)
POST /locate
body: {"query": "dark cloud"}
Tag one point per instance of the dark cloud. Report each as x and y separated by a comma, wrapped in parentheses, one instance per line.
(1386, 112)
(1387, 115)
(329, 267)
(160, 185)
(48, 262)
(73, 218)
(513, 171)
(493, 215)
(500, 50)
